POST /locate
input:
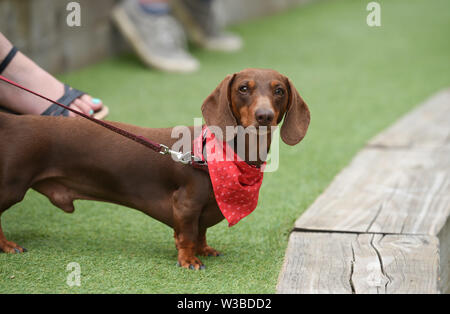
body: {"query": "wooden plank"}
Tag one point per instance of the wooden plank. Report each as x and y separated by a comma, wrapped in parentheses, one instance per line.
(404, 192)
(317, 263)
(382, 225)
(360, 264)
(367, 275)
(410, 263)
(444, 256)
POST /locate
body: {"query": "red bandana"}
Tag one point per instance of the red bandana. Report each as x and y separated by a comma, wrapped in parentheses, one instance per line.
(235, 183)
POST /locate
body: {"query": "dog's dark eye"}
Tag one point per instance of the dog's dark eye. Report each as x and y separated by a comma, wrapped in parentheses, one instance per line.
(243, 89)
(279, 92)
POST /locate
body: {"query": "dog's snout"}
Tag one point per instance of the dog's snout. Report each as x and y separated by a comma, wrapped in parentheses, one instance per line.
(264, 116)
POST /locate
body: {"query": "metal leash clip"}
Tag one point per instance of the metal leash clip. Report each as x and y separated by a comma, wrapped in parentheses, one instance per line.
(164, 150)
(184, 158)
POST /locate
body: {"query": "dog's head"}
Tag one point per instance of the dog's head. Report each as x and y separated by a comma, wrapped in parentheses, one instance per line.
(258, 97)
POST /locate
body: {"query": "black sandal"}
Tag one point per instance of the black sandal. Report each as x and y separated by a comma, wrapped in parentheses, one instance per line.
(70, 94)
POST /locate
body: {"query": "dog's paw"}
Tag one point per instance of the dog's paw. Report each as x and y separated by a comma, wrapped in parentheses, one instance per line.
(191, 263)
(208, 251)
(12, 248)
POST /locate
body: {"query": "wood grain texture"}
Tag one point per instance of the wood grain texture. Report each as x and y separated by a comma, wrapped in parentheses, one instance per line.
(385, 191)
(317, 263)
(360, 264)
(406, 264)
(444, 254)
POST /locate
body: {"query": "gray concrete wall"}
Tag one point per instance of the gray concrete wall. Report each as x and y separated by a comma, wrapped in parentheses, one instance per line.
(235, 11)
(39, 28)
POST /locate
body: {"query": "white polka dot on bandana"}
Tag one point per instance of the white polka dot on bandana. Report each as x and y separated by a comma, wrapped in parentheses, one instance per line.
(235, 183)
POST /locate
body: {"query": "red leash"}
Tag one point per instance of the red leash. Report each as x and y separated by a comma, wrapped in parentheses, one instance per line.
(137, 138)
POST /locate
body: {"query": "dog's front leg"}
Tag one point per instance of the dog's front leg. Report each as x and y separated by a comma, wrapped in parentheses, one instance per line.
(186, 216)
(203, 248)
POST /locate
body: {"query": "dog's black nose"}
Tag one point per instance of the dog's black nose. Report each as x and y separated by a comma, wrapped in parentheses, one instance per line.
(264, 116)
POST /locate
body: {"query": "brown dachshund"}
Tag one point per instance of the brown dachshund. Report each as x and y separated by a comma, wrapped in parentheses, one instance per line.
(71, 158)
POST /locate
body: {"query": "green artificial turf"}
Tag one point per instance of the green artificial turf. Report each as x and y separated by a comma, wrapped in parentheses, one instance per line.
(356, 79)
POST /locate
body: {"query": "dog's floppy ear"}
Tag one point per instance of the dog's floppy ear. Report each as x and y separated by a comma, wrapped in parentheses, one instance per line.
(216, 108)
(296, 120)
